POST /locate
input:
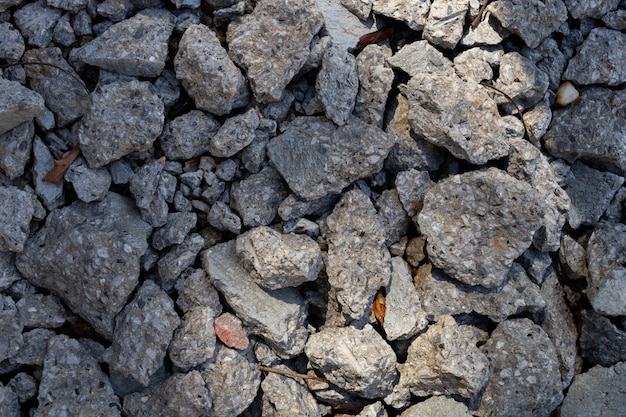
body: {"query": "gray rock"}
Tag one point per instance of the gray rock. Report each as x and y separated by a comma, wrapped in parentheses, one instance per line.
(444, 360)
(419, 57)
(444, 26)
(89, 184)
(271, 62)
(8, 272)
(549, 59)
(317, 158)
(81, 22)
(404, 316)
(143, 330)
(293, 208)
(359, 8)
(337, 84)
(12, 340)
(277, 316)
(525, 378)
(437, 406)
(531, 20)
(121, 171)
(358, 262)
(615, 19)
(69, 5)
(115, 10)
(441, 295)
(24, 386)
(412, 186)
(195, 290)
(145, 188)
(599, 60)
(606, 280)
(63, 33)
(538, 120)
(591, 129)
(180, 394)
(277, 260)
(256, 198)
(15, 148)
(477, 224)
(358, 361)
(590, 192)
(18, 104)
(375, 81)
(226, 15)
(124, 117)
(475, 64)
(12, 47)
(286, 396)
(522, 81)
(175, 230)
(235, 134)
(527, 163)
(177, 259)
(488, 32)
(16, 212)
(194, 340)
(50, 194)
(96, 247)
(222, 218)
(9, 404)
(72, 383)
(580, 9)
(36, 21)
(303, 227)
(572, 259)
(393, 215)
(187, 136)
(34, 347)
(233, 381)
(412, 12)
(38, 310)
(601, 342)
(207, 73)
(597, 392)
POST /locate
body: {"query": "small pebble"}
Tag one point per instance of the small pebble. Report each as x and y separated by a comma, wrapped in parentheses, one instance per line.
(566, 94)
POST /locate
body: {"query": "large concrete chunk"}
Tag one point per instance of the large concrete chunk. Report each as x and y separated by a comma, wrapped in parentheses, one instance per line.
(18, 104)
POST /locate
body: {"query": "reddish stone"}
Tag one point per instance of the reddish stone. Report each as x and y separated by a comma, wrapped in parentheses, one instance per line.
(228, 329)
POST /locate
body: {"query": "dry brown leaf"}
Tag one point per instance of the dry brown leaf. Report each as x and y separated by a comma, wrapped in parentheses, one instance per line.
(55, 175)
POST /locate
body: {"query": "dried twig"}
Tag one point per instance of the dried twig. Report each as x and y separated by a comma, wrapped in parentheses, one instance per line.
(521, 116)
(55, 175)
(291, 373)
(476, 20)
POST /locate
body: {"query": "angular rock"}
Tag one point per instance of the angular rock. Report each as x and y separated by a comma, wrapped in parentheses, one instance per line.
(293, 207)
(12, 340)
(475, 63)
(257, 197)
(38, 310)
(34, 347)
(8, 272)
(358, 262)
(145, 188)
(175, 230)
(124, 117)
(195, 290)
(277, 316)
(572, 259)
(359, 8)
(412, 12)
(96, 247)
(317, 158)
(194, 340)
(615, 19)
(477, 224)
(525, 378)
(15, 148)
(9, 404)
(16, 212)
(600, 59)
(580, 9)
(89, 184)
(25, 386)
(286, 396)
(143, 331)
(222, 218)
(18, 104)
(272, 61)
(235, 134)
(358, 361)
(137, 46)
(343, 26)
(12, 47)
(51, 195)
(375, 82)
(549, 59)
(592, 129)
(438, 406)
(412, 186)
(444, 360)
(606, 281)
(337, 84)
(229, 331)
(36, 21)
(404, 317)
(601, 342)
(522, 81)
(488, 32)
(393, 215)
(444, 26)
(177, 259)
(187, 136)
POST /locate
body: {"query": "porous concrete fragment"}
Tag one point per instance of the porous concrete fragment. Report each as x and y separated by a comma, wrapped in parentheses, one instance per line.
(293, 207)
(187, 136)
(38, 310)
(50, 194)
(178, 225)
(277, 316)
(137, 46)
(601, 342)
(207, 73)
(286, 396)
(358, 262)
(34, 347)
(233, 381)
(419, 57)
(595, 9)
(73, 384)
(549, 59)
(96, 248)
(591, 129)
(145, 188)
(69, 5)
(572, 259)
(596, 393)
(89, 184)
(475, 63)
(143, 331)
(478, 223)
(359, 8)
(393, 215)
(437, 406)
(18, 104)
(272, 61)
(527, 163)
(412, 186)
(600, 59)
(9, 404)
(24, 385)
(606, 281)
(590, 192)
(375, 81)
(194, 340)
(531, 20)
(12, 340)
(235, 134)
(195, 290)
(337, 84)
(615, 19)
(444, 25)
(344, 28)
(177, 259)
(15, 149)
(257, 197)
(404, 317)
(123, 117)
(8, 272)
(317, 158)
(16, 212)
(179, 395)
(525, 378)
(12, 46)
(358, 361)
(277, 260)
(412, 12)
(521, 80)
(36, 22)
(223, 218)
(442, 295)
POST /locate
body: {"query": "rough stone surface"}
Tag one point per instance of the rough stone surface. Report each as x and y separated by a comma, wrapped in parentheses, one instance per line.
(477, 224)
(343, 26)
(194, 340)
(338, 84)
(12, 46)
(187, 136)
(271, 62)
(444, 26)
(358, 361)
(89, 184)
(223, 218)
(375, 82)
(32, 345)
(38, 310)
(15, 148)
(177, 259)
(412, 12)
(18, 104)
(437, 406)
(601, 342)
(36, 21)
(8, 272)
(257, 197)
(230, 332)
(11, 325)
(285, 396)
(235, 134)
(175, 230)
(195, 290)
(51, 195)
(317, 158)
(522, 81)
(96, 248)
(16, 212)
